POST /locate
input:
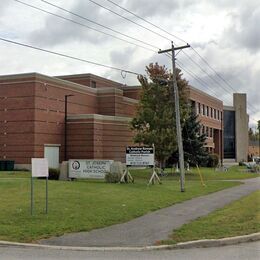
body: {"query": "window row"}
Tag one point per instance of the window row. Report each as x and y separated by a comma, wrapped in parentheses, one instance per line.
(208, 131)
(209, 111)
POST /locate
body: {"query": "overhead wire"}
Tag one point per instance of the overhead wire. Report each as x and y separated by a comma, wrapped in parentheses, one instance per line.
(82, 17)
(138, 16)
(91, 28)
(212, 78)
(132, 37)
(158, 27)
(117, 14)
(198, 79)
(68, 56)
(96, 23)
(218, 75)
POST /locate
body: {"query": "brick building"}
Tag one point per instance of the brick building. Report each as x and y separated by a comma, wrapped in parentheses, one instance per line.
(32, 112)
(32, 108)
(210, 115)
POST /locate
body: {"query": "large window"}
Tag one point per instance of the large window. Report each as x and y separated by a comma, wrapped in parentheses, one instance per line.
(229, 135)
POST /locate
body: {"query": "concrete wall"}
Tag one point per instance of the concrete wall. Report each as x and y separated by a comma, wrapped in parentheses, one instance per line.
(240, 106)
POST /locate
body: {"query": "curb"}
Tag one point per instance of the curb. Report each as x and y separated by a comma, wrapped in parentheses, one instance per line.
(219, 242)
(184, 245)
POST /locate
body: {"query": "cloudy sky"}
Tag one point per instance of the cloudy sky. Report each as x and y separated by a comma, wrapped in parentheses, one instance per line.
(224, 32)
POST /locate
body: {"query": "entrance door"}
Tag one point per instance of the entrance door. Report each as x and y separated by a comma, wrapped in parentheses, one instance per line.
(52, 153)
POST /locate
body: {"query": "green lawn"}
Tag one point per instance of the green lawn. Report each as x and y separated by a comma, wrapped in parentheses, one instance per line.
(84, 205)
(241, 217)
(233, 173)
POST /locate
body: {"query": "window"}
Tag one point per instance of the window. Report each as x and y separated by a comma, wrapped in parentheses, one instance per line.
(211, 132)
(203, 110)
(207, 131)
(215, 115)
(198, 104)
(207, 111)
(218, 115)
(211, 112)
(93, 84)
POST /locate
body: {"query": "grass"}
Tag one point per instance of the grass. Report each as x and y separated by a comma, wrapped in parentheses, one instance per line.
(233, 173)
(84, 205)
(241, 217)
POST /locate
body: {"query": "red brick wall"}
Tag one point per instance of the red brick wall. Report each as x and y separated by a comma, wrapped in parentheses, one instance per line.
(102, 138)
(133, 92)
(87, 79)
(16, 121)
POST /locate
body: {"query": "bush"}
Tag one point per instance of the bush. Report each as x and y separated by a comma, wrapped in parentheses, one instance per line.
(112, 177)
(241, 163)
(213, 160)
(54, 174)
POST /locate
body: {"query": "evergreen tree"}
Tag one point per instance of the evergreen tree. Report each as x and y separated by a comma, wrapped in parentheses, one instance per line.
(154, 122)
(193, 141)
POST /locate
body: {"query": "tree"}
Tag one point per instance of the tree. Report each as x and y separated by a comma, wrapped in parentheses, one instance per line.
(193, 141)
(250, 134)
(154, 122)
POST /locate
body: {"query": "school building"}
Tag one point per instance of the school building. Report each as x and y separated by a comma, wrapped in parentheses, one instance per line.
(37, 110)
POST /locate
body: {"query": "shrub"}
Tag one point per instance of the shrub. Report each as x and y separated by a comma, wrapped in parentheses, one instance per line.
(54, 174)
(112, 177)
(241, 163)
(213, 160)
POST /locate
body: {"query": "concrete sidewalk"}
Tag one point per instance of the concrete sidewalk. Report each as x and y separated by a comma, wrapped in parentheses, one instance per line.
(158, 225)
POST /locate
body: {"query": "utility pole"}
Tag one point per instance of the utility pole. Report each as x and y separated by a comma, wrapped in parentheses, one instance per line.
(177, 111)
(258, 126)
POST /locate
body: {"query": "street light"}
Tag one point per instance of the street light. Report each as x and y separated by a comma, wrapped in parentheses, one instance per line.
(65, 126)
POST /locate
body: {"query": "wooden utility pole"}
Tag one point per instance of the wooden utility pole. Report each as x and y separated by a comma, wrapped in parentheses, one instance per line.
(177, 111)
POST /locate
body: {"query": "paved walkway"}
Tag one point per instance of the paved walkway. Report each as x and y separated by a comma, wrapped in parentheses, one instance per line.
(158, 225)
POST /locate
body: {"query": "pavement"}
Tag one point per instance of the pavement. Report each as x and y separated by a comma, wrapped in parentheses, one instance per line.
(239, 252)
(155, 226)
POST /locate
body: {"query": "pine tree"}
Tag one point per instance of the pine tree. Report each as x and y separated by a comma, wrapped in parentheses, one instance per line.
(193, 141)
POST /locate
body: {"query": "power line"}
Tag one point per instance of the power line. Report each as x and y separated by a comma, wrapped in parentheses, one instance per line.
(216, 81)
(117, 14)
(68, 56)
(198, 79)
(219, 76)
(91, 28)
(99, 24)
(156, 26)
(210, 76)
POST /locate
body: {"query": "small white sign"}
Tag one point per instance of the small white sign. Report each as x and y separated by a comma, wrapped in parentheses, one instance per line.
(83, 169)
(139, 156)
(40, 167)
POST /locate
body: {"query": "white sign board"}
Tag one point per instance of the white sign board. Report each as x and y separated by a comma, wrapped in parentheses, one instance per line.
(139, 156)
(84, 169)
(40, 167)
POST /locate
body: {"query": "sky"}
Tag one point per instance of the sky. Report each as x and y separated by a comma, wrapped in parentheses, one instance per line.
(225, 33)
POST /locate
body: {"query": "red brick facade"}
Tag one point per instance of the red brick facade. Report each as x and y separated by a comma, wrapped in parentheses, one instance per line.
(32, 112)
(210, 115)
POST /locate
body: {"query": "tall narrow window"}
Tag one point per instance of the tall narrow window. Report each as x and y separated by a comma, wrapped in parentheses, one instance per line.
(93, 84)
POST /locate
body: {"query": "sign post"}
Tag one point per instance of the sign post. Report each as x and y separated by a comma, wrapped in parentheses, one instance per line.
(154, 174)
(39, 169)
(140, 156)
